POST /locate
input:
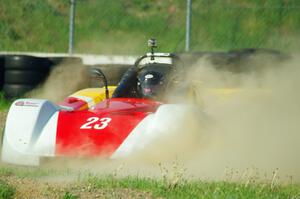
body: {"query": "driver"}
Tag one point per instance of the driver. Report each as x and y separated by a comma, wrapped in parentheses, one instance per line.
(149, 82)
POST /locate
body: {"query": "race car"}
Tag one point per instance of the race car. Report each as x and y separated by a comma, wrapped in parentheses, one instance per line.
(93, 123)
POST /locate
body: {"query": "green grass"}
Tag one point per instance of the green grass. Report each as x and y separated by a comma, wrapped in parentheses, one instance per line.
(6, 191)
(155, 187)
(123, 26)
(69, 195)
(4, 103)
(197, 189)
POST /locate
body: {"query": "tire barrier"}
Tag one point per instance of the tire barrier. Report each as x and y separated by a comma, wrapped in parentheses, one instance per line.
(1, 71)
(237, 61)
(24, 77)
(16, 90)
(23, 73)
(25, 62)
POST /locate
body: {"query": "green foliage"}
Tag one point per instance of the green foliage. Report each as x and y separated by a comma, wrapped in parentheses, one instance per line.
(6, 191)
(123, 26)
(32, 25)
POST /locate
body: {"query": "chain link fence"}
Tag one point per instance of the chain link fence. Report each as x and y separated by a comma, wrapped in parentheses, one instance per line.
(123, 26)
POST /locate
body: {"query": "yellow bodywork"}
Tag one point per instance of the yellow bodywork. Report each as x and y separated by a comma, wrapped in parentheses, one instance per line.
(92, 96)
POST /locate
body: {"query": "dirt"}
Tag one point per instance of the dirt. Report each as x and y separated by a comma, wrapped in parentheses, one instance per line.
(37, 188)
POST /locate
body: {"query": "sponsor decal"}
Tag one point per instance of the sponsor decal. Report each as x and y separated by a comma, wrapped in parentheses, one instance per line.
(19, 103)
(27, 103)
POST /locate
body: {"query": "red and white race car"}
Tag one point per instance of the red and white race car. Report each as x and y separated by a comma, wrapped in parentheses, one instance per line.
(90, 123)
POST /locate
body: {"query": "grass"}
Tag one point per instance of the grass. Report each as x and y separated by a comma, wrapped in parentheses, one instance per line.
(6, 191)
(69, 195)
(123, 26)
(154, 187)
(112, 186)
(4, 103)
(197, 189)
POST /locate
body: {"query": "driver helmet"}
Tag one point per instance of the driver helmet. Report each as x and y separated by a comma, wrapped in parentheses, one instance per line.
(150, 84)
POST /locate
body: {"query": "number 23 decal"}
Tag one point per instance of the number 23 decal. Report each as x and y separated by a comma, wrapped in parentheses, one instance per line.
(96, 123)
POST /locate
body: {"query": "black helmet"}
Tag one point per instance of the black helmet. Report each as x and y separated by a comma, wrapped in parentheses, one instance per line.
(150, 84)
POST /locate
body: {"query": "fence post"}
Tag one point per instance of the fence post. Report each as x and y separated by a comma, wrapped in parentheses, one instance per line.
(71, 27)
(188, 25)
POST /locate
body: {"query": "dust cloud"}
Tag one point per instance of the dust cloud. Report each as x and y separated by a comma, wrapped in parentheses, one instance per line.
(65, 78)
(248, 128)
(255, 126)
(249, 125)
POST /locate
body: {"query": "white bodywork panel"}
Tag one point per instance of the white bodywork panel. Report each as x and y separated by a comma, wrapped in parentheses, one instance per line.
(30, 131)
(171, 123)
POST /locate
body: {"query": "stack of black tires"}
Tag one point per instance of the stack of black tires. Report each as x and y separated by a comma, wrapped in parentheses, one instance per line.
(1, 71)
(22, 73)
